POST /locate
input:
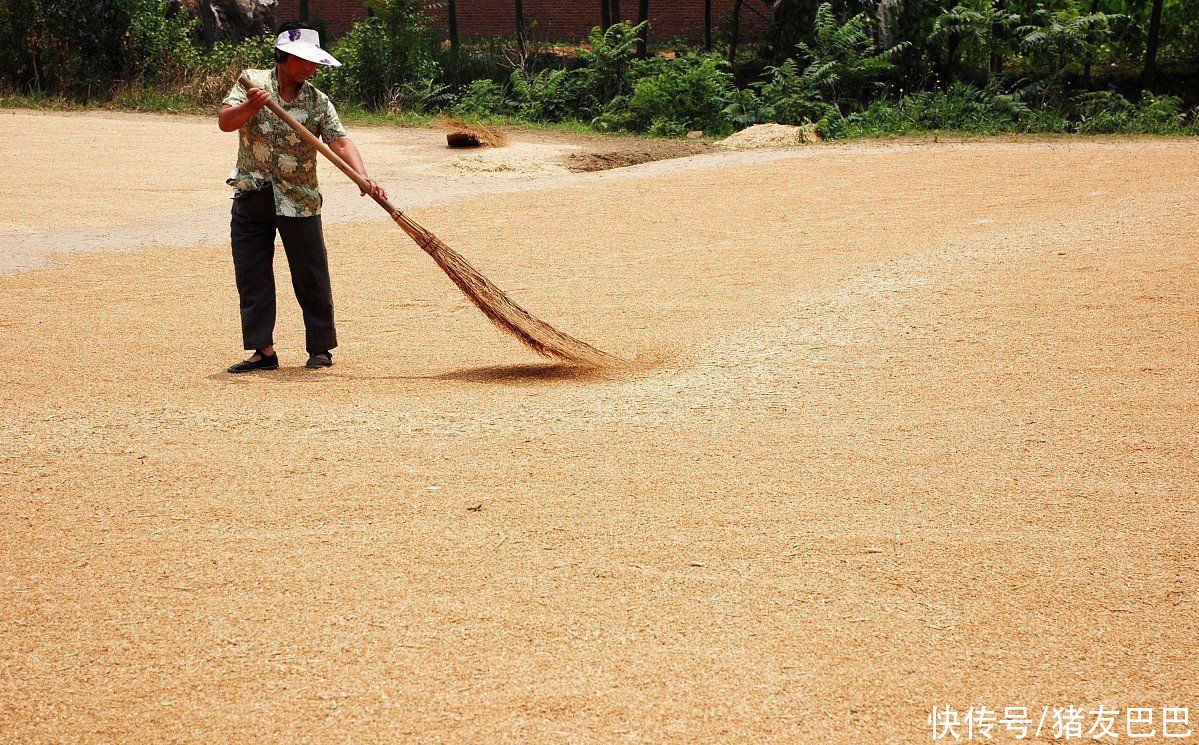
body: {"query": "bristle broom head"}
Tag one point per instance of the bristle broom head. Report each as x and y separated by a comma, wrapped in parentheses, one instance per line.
(534, 333)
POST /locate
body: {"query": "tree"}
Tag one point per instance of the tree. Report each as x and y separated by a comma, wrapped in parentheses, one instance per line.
(1065, 35)
(959, 27)
(230, 20)
(734, 32)
(520, 31)
(953, 28)
(885, 11)
(1149, 70)
(605, 15)
(451, 14)
(1086, 65)
(790, 22)
(707, 25)
(843, 62)
(643, 22)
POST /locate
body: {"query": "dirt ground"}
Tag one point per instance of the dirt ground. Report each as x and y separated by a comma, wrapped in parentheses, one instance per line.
(922, 432)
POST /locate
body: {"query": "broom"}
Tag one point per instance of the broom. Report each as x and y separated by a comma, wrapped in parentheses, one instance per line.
(534, 333)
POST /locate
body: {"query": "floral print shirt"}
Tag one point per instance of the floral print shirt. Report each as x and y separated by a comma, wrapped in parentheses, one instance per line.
(269, 150)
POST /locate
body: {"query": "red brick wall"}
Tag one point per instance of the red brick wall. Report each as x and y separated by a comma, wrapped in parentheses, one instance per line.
(557, 20)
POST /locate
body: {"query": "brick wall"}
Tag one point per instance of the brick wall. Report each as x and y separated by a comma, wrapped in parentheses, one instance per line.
(557, 20)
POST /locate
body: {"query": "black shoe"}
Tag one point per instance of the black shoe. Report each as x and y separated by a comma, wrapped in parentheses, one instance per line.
(264, 362)
(316, 361)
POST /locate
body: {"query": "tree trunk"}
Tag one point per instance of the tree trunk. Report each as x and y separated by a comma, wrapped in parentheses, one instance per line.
(520, 31)
(734, 32)
(994, 59)
(451, 15)
(885, 10)
(605, 15)
(951, 61)
(643, 37)
(1086, 65)
(707, 25)
(303, 10)
(616, 16)
(1149, 71)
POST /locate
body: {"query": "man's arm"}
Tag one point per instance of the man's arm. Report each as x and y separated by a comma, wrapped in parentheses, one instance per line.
(232, 117)
(348, 151)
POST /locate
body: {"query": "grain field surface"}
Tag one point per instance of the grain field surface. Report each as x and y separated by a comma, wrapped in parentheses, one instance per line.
(915, 427)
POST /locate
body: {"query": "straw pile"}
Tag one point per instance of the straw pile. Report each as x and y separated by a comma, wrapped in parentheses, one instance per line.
(462, 135)
(769, 135)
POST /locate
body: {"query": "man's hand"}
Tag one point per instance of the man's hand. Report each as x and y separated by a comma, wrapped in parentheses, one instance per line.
(232, 118)
(256, 98)
(376, 189)
(348, 151)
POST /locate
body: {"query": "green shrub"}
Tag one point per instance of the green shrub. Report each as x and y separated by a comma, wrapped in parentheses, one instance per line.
(605, 69)
(673, 97)
(604, 74)
(842, 62)
(380, 54)
(482, 98)
(1105, 112)
(549, 96)
(255, 52)
(70, 47)
(217, 68)
(160, 40)
(962, 107)
(785, 97)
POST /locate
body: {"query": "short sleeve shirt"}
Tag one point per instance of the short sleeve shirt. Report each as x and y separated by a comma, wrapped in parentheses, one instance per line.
(269, 151)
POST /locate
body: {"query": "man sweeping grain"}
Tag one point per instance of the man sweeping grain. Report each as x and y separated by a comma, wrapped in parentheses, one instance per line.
(276, 191)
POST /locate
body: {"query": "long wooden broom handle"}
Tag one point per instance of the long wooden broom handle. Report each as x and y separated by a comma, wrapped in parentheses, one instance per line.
(422, 237)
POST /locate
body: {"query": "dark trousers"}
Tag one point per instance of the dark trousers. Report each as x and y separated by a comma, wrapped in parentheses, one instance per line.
(252, 232)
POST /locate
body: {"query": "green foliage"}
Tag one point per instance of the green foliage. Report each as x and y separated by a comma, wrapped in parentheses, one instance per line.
(416, 96)
(614, 91)
(673, 97)
(604, 74)
(482, 98)
(784, 97)
(548, 96)
(842, 60)
(256, 52)
(971, 31)
(966, 108)
(1059, 38)
(966, 65)
(604, 69)
(961, 107)
(381, 54)
(68, 47)
(160, 41)
(1106, 112)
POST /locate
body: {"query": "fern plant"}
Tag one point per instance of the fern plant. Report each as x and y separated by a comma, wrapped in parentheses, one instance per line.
(842, 62)
(963, 27)
(784, 97)
(1065, 36)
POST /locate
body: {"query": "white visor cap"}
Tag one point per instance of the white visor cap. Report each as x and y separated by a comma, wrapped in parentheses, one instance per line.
(305, 44)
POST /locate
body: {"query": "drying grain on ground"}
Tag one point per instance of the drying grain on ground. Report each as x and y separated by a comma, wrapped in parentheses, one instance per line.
(922, 432)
